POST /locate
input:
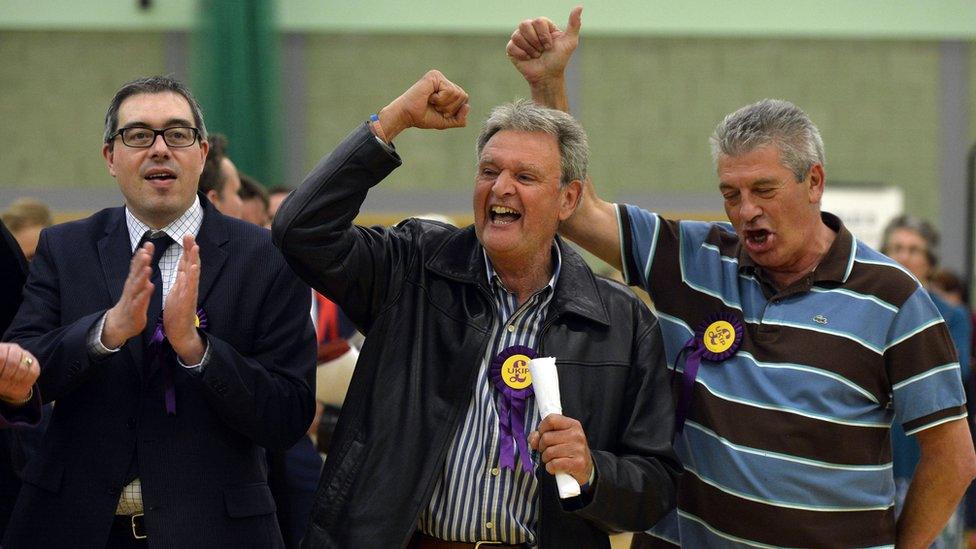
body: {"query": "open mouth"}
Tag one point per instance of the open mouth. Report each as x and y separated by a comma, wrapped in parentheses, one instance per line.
(502, 215)
(160, 176)
(757, 236)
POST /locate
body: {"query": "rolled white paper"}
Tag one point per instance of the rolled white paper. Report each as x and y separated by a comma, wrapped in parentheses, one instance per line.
(545, 384)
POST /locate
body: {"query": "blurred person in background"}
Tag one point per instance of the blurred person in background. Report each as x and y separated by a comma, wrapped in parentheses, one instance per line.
(25, 218)
(220, 181)
(950, 287)
(293, 474)
(254, 202)
(914, 243)
(276, 195)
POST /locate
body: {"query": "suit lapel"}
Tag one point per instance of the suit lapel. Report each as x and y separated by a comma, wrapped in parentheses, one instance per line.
(211, 239)
(115, 255)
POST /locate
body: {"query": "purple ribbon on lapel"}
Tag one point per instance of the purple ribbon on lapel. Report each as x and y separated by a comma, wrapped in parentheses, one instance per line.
(716, 339)
(161, 352)
(510, 374)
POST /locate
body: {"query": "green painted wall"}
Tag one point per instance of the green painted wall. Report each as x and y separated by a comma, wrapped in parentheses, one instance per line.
(650, 104)
(54, 90)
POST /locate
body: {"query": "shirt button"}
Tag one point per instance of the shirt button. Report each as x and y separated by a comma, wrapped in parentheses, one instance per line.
(494, 471)
(489, 525)
(511, 327)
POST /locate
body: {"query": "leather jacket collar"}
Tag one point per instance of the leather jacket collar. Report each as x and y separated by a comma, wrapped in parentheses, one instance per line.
(460, 258)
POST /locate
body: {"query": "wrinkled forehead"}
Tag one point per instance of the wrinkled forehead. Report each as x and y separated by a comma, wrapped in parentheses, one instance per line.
(536, 150)
(156, 110)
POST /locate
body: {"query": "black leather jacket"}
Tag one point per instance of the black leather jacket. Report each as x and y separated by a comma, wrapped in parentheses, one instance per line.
(419, 291)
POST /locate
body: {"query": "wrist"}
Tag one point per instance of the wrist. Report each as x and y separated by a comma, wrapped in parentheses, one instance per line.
(190, 348)
(550, 92)
(390, 120)
(112, 336)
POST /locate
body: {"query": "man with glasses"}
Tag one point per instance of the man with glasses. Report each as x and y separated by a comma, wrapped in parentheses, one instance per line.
(176, 342)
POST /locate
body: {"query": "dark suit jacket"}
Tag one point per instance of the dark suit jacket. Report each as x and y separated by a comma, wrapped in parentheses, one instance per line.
(203, 472)
(13, 450)
(13, 274)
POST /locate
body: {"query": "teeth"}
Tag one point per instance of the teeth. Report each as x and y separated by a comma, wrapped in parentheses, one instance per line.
(503, 210)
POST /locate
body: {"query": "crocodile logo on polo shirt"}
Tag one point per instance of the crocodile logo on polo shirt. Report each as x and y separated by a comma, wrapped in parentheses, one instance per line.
(820, 319)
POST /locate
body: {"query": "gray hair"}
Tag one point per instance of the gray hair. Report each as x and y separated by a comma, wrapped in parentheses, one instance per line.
(918, 226)
(151, 84)
(771, 121)
(525, 116)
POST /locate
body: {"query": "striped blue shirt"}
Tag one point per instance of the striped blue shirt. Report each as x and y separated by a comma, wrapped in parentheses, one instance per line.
(474, 499)
(787, 441)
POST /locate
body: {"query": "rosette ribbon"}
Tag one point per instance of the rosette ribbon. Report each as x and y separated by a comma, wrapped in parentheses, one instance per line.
(511, 408)
(161, 353)
(716, 339)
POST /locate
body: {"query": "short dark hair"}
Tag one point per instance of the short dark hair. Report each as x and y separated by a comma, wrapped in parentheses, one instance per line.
(151, 84)
(251, 189)
(212, 177)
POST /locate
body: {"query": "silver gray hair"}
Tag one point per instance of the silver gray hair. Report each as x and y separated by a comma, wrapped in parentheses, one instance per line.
(771, 121)
(524, 115)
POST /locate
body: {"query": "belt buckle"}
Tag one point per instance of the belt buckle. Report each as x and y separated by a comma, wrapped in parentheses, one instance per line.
(139, 526)
(477, 545)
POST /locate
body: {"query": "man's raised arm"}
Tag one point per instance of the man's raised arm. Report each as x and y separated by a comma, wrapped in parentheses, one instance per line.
(540, 51)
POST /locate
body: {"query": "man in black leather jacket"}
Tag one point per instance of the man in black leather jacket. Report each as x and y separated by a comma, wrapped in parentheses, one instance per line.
(424, 454)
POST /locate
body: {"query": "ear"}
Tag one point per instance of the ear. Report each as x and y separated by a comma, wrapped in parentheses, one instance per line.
(815, 188)
(570, 198)
(213, 197)
(108, 152)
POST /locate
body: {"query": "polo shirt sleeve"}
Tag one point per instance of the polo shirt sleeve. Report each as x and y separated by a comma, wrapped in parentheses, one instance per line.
(922, 367)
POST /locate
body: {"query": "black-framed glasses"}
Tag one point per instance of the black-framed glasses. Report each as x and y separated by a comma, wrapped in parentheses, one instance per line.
(142, 138)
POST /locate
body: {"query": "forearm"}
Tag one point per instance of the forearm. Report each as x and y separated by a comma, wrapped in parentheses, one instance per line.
(328, 200)
(551, 93)
(62, 353)
(941, 478)
(594, 227)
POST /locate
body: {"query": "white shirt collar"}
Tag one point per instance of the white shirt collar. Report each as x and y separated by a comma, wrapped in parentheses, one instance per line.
(188, 222)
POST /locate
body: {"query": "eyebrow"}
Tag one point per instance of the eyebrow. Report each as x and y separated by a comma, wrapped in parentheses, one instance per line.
(767, 181)
(168, 124)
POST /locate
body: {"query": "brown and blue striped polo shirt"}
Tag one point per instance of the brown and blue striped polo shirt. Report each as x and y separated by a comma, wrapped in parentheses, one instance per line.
(787, 442)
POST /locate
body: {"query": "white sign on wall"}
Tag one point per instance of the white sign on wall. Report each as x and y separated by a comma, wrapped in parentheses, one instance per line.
(864, 210)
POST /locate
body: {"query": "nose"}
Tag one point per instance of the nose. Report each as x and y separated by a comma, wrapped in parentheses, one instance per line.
(504, 184)
(159, 146)
(749, 209)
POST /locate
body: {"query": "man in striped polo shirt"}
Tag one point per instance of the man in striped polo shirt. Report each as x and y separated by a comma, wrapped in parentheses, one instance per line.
(795, 345)
(432, 450)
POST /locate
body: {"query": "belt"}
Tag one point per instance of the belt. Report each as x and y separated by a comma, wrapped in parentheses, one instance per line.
(423, 541)
(134, 525)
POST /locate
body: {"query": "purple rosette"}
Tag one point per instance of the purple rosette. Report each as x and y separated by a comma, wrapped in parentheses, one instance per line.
(161, 352)
(716, 339)
(510, 375)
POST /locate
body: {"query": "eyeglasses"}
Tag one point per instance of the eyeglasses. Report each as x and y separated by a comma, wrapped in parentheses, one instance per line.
(177, 137)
